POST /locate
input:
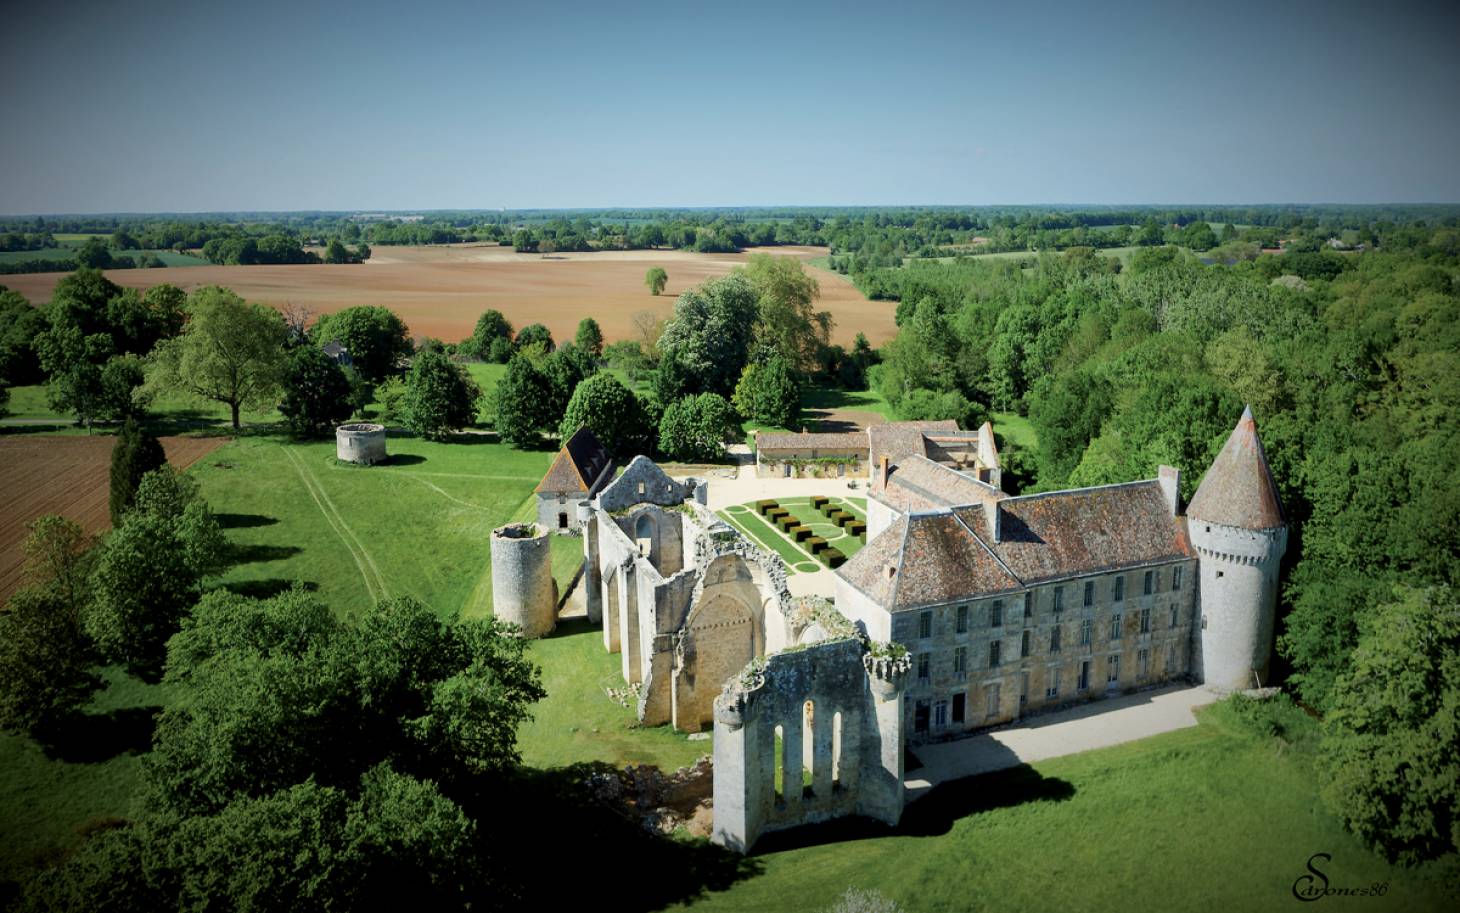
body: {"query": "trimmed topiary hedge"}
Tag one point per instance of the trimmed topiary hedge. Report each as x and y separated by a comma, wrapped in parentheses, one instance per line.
(819, 502)
(832, 557)
(814, 544)
(800, 533)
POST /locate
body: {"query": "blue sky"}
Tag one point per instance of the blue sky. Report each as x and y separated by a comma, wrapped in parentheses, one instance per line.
(172, 106)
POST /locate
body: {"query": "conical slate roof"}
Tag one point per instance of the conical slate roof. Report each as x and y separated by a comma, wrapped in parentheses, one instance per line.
(1238, 489)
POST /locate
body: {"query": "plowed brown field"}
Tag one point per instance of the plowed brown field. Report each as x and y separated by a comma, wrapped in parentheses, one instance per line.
(67, 476)
(441, 290)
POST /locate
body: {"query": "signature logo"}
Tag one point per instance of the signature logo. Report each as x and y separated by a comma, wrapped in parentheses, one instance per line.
(1314, 885)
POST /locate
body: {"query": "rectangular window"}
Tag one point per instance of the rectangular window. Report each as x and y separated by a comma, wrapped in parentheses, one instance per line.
(1176, 577)
(1173, 614)
(1052, 687)
(1084, 675)
(1143, 662)
(1024, 643)
(920, 716)
(963, 619)
(1145, 621)
(1171, 659)
(1115, 626)
(1054, 639)
(1146, 584)
(1089, 593)
(1059, 599)
(991, 700)
(1120, 588)
(960, 660)
(1023, 687)
(1112, 668)
(1028, 605)
(925, 624)
(925, 660)
(940, 715)
(959, 702)
(996, 614)
(1085, 627)
(994, 654)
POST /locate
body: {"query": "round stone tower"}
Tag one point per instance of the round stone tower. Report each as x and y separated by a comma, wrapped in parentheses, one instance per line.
(361, 443)
(523, 590)
(1236, 523)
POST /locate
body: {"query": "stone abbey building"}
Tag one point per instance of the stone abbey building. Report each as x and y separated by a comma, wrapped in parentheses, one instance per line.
(967, 608)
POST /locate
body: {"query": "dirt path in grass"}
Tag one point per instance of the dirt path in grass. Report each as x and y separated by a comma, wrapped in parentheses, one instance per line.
(369, 572)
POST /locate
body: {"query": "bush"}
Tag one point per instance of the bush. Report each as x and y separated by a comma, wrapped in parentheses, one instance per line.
(819, 502)
(832, 557)
(814, 544)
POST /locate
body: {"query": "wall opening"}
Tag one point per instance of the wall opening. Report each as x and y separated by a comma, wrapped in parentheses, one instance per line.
(836, 750)
(780, 759)
(808, 749)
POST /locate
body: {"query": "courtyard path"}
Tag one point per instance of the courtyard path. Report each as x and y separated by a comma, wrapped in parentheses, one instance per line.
(1098, 724)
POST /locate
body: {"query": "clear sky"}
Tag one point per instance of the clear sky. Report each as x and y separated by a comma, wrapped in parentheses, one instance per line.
(193, 106)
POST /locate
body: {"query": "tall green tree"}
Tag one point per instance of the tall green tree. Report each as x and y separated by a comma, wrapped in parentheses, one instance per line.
(231, 352)
(698, 427)
(524, 398)
(610, 410)
(769, 393)
(136, 453)
(440, 396)
(317, 393)
(492, 337)
(590, 337)
(1392, 735)
(376, 338)
(708, 339)
(656, 279)
(786, 320)
(534, 334)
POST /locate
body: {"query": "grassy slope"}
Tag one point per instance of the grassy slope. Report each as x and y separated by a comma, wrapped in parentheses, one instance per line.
(1209, 818)
(1015, 428)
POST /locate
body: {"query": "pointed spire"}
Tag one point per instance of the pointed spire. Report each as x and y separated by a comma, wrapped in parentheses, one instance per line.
(1238, 490)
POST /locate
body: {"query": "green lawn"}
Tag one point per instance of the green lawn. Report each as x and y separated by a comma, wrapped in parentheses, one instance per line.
(744, 518)
(168, 257)
(1208, 818)
(578, 721)
(1014, 428)
(170, 413)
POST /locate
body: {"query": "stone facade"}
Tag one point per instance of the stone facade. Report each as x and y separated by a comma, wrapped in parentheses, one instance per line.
(361, 443)
(579, 471)
(807, 736)
(524, 592)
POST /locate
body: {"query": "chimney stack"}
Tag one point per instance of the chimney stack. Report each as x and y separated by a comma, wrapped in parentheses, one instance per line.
(886, 470)
(1169, 478)
(991, 514)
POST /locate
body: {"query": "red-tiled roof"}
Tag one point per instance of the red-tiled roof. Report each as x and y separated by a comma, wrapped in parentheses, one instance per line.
(577, 466)
(918, 483)
(1238, 490)
(937, 559)
(897, 440)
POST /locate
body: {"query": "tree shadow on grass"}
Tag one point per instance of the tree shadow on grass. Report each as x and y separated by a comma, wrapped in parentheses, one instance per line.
(258, 553)
(268, 587)
(934, 814)
(402, 459)
(610, 849)
(90, 738)
(244, 521)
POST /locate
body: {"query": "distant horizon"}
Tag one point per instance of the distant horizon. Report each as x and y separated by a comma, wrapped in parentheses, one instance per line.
(720, 207)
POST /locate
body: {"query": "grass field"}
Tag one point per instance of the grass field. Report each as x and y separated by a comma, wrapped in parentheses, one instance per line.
(1208, 818)
(1015, 429)
(168, 257)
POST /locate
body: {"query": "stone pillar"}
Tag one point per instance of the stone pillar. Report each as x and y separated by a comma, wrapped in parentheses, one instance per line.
(743, 774)
(628, 607)
(612, 610)
(880, 792)
(592, 588)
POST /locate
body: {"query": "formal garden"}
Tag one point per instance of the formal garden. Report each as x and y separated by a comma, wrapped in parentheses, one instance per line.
(810, 533)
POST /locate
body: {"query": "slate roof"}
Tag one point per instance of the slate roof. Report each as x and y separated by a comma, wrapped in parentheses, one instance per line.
(918, 483)
(790, 440)
(1238, 490)
(947, 555)
(577, 466)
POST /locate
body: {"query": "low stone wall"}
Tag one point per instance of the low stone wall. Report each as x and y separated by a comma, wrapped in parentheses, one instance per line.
(361, 443)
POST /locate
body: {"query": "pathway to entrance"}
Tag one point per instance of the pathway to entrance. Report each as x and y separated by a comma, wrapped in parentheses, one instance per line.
(1098, 724)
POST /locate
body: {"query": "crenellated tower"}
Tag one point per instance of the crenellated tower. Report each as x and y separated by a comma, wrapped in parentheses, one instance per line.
(1236, 523)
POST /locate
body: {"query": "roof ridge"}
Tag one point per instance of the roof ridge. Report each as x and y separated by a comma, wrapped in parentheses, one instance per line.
(986, 547)
(1071, 491)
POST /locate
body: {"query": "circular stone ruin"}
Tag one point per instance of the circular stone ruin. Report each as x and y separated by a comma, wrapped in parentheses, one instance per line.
(523, 589)
(361, 443)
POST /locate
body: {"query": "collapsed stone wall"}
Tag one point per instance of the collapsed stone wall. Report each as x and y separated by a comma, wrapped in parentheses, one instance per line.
(829, 713)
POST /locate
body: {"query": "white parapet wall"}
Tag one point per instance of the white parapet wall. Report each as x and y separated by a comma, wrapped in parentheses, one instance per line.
(361, 443)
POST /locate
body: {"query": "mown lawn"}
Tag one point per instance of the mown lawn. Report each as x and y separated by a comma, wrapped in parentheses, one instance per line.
(1208, 818)
(1015, 429)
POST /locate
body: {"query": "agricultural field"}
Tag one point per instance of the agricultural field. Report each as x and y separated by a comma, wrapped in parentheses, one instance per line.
(66, 476)
(441, 290)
